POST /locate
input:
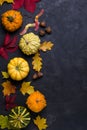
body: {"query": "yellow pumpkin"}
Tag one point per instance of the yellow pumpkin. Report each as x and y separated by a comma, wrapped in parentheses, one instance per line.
(29, 43)
(36, 102)
(12, 20)
(18, 68)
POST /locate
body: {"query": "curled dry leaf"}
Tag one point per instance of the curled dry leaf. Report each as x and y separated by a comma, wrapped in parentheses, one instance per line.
(26, 88)
(40, 123)
(45, 46)
(8, 88)
(37, 62)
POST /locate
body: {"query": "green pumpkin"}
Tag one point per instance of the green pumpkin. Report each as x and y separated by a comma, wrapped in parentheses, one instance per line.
(29, 43)
(19, 117)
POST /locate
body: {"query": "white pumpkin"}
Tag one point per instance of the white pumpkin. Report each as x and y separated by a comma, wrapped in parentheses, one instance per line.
(29, 43)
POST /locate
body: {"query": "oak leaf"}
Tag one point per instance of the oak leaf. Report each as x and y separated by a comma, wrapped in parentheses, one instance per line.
(41, 123)
(26, 88)
(5, 74)
(9, 88)
(45, 46)
(8, 1)
(37, 62)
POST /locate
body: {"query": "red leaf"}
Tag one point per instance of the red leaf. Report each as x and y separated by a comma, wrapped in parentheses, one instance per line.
(30, 5)
(6, 39)
(11, 46)
(17, 4)
(9, 100)
(3, 53)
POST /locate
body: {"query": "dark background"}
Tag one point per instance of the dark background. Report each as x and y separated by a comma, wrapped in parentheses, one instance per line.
(64, 67)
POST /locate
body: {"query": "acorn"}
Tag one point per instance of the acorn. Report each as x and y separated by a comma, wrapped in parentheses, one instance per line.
(48, 30)
(43, 24)
(41, 32)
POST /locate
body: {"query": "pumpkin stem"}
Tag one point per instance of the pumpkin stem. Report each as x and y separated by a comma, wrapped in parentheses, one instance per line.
(10, 18)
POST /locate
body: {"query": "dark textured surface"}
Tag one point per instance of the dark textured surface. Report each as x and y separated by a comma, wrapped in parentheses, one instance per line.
(65, 66)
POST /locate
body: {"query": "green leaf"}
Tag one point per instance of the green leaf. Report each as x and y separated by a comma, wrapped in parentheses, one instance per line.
(4, 123)
(5, 74)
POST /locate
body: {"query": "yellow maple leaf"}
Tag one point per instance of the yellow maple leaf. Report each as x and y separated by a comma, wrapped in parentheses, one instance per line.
(37, 62)
(41, 123)
(8, 88)
(46, 46)
(8, 1)
(26, 88)
(5, 74)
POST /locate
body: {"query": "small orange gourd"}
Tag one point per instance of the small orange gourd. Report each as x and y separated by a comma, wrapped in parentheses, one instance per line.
(12, 20)
(36, 102)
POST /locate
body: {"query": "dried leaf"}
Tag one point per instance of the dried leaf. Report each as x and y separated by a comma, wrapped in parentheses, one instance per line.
(45, 46)
(40, 123)
(8, 1)
(5, 74)
(4, 123)
(8, 88)
(37, 62)
(26, 88)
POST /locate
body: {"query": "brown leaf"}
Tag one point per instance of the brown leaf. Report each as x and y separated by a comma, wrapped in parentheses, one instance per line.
(37, 62)
(45, 46)
(8, 88)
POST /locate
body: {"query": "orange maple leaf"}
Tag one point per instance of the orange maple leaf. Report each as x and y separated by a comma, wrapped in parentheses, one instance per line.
(8, 88)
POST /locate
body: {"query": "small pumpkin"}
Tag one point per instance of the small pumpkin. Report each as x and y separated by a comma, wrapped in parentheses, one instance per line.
(29, 43)
(12, 20)
(36, 102)
(19, 117)
(18, 68)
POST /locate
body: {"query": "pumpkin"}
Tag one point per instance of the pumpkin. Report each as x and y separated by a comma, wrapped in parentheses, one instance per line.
(36, 102)
(29, 43)
(19, 117)
(18, 68)
(12, 20)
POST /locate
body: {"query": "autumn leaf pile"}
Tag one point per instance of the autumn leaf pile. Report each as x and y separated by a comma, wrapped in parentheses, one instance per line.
(8, 88)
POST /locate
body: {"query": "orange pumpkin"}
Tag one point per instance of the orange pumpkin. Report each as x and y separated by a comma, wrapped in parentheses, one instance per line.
(36, 102)
(12, 20)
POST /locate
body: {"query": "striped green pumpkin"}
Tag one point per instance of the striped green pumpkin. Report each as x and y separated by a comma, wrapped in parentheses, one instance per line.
(19, 117)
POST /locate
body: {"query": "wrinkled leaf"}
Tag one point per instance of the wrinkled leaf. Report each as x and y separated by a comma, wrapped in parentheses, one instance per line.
(5, 74)
(45, 46)
(8, 1)
(8, 88)
(41, 123)
(37, 62)
(26, 88)
(4, 123)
